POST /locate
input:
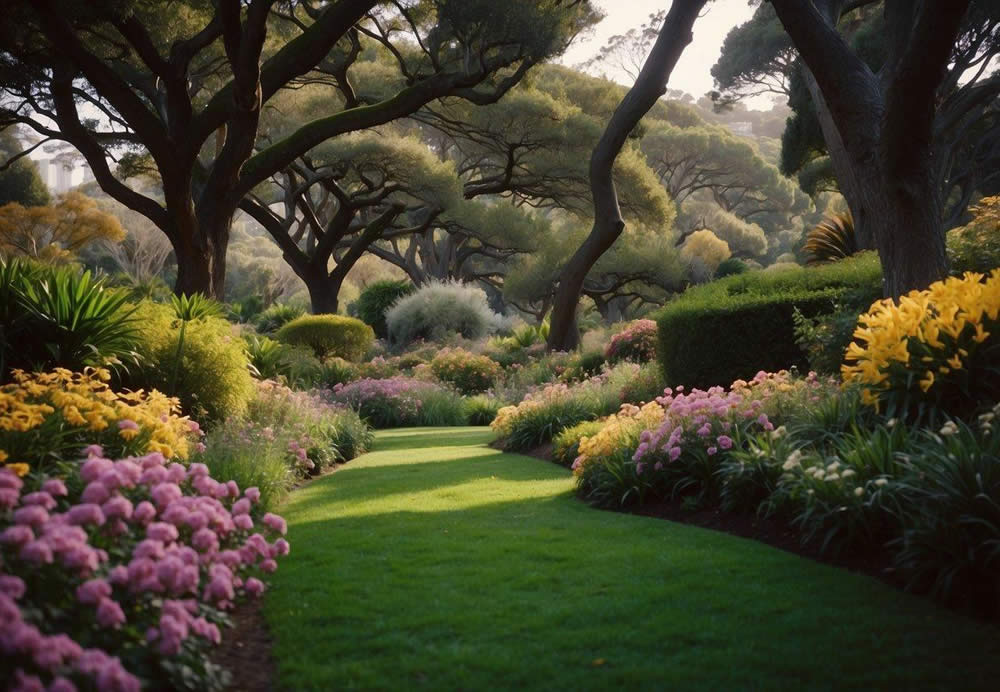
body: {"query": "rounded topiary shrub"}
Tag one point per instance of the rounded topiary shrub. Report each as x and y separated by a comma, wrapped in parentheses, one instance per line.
(376, 300)
(465, 371)
(439, 310)
(329, 335)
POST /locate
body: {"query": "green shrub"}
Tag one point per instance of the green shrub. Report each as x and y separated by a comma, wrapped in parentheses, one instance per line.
(566, 445)
(465, 371)
(731, 266)
(58, 317)
(646, 385)
(584, 364)
(276, 317)
(975, 247)
(213, 378)
(481, 409)
(335, 371)
(440, 407)
(329, 335)
(732, 328)
(376, 299)
(439, 310)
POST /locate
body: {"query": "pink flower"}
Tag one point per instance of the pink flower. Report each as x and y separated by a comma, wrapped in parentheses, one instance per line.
(712, 450)
(85, 514)
(143, 512)
(93, 451)
(243, 522)
(95, 493)
(252, 494)
(161, 531)
(254, 587)
(110, 614)
(269, 565)
(37, 552)
(241, 506)
(674, 453)
(8, 497)
(93, 591)
(705, 430)
(205, 540)
(55, 487)
(61, 684)
(126, 424)
(725, 442)
(165, 493)
(16, 535)
(32, 515)
(117, 507)
(93, 468)
(11, 586)
(275, 523)
(41, 498)
(280, 548)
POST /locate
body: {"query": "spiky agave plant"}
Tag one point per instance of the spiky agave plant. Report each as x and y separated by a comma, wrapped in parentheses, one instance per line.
(831, 240)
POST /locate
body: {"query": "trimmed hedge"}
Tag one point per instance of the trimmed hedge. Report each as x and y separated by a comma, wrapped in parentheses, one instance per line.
(733, 328)
(376, 299)
(329, 335)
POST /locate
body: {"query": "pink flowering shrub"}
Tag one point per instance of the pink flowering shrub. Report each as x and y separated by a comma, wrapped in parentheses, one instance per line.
(394, 402)
(683, 439)
(637, 343)
(118, 576)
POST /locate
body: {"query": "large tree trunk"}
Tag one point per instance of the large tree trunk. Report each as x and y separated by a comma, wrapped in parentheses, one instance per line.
(649, 86)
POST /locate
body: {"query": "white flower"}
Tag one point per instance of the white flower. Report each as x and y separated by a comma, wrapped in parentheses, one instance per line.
(881, 482)
(859, 491)
(778, 432)
(948, 429)
(847, 473)
(792, 461)
(810, 491)
(833, 477)
(891, 423)
(833, 467)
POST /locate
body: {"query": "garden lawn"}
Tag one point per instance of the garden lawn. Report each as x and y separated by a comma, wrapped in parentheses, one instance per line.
(437, 563)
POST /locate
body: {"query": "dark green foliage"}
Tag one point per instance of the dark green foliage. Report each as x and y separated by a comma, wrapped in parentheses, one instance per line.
(730, 267)
(832, 239)
(377, 298)
(481, 409)
(20, 182)
(732, 328)
(824, 338)
(277, 316)
(58, 317)
(329, 335)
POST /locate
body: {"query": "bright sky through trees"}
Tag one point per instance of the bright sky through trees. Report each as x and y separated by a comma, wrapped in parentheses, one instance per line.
(692, 72)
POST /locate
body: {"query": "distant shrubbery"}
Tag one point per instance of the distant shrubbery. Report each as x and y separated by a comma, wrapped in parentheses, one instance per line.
(439, 310)
(329, 335)
(376, 299)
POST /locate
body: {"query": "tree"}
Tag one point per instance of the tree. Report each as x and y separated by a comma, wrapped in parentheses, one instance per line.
(649, 86)
(19, 178)
(959, 142)
(56, 233)
(887, 124)
(179, 87)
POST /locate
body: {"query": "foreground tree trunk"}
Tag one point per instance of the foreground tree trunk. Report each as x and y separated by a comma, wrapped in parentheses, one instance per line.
(649, 86)
(881, 126)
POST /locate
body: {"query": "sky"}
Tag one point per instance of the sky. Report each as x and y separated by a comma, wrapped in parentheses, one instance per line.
(692, 72)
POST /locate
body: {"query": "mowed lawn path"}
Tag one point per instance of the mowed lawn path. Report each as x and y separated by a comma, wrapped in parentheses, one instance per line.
(437, 563)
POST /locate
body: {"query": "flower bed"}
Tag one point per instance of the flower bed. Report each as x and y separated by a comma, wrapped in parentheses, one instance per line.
(118, 576)
(401, 401)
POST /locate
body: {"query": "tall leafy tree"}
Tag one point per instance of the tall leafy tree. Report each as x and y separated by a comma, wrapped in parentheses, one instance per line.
(19, 178)
(179, 88)
(649, 86)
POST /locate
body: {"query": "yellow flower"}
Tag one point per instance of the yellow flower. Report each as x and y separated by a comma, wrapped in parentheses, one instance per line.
(928, 381)
(19, 469)
(3, 456)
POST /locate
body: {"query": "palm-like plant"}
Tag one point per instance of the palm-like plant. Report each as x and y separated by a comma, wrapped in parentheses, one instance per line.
(58, 317)
(188, 308)
(831, 240)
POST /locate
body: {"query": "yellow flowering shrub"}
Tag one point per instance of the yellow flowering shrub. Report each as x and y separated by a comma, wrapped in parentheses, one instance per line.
(933, 350)
(50, 417)
(620, 433)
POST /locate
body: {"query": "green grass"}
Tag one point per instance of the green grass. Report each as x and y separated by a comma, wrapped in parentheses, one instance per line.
(436, 563)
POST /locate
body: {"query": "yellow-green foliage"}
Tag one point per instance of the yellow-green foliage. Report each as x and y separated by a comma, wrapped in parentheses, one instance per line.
(467, 372)
(976, 246)
(329, 335)
(213, 380)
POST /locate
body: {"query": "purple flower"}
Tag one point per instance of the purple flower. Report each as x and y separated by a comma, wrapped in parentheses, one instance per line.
(85, 514)
(725, 442)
